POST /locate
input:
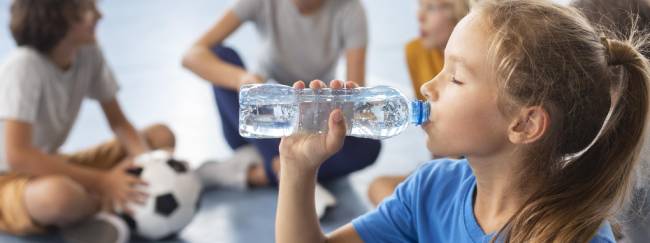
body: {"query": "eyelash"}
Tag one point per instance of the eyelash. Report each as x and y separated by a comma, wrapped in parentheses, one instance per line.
(454, 80)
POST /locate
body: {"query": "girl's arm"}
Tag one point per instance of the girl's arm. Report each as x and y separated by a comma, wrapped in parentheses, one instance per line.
(356, 65)
(201, 60)
(301, 155)
(296, 219)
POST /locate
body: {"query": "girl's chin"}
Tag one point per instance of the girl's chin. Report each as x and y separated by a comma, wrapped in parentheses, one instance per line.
(438, 148)
(431, 146)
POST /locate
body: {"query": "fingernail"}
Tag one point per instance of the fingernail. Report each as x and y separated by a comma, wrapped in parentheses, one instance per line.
(337, 116)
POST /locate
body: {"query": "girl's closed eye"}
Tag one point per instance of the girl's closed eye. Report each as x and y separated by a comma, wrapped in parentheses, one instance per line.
(456, 81)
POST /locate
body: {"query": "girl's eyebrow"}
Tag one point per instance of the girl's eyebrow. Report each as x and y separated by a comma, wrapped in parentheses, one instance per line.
(456, 58)
(459, 61)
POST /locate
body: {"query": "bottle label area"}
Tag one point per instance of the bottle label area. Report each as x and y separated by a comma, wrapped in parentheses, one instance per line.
(282, 112)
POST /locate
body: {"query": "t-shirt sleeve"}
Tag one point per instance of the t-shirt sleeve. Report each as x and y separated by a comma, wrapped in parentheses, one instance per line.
(248, 9)
(600, 239)
(103, 87)
(394, 219)
(20, 88)
(355, 26)
(605, 234)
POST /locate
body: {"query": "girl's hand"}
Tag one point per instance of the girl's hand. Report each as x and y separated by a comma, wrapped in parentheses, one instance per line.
(306, 152)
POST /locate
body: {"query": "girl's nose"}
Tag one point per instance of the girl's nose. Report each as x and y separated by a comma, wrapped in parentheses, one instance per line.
(429, 91)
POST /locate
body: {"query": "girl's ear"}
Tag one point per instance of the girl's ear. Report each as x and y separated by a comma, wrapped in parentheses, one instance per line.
(529, 125)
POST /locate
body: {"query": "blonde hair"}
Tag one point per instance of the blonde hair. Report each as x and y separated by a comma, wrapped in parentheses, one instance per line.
(595, 91)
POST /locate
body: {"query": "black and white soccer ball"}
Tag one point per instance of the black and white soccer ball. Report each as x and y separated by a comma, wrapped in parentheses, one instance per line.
(173, 200)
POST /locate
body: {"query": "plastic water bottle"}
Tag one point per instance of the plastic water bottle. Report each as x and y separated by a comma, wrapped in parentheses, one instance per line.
(275, 110)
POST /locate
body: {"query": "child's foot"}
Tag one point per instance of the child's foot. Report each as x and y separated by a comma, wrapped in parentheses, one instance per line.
(323, 199)
(101, 228)
(231, 173)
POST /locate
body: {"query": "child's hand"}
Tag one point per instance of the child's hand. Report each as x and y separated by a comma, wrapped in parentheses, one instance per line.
(118, 188)
(309, 151)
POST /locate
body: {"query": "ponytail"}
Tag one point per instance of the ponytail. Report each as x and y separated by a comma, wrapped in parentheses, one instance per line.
(596, 93)
(605, 169)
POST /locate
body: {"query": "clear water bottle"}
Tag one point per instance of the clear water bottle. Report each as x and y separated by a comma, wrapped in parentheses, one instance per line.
(275, 110)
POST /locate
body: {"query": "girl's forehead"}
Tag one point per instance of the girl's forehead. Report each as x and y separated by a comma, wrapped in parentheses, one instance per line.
(469, 42)
(469, 34)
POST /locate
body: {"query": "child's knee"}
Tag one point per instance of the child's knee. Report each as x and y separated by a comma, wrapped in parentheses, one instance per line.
(382, 187)
(160, 136)
(56, 200)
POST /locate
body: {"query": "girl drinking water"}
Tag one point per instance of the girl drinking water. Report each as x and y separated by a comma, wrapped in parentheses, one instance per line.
(551, 116)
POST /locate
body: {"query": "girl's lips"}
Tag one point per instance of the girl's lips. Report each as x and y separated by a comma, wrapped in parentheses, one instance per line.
(426, 125)
(423, 33)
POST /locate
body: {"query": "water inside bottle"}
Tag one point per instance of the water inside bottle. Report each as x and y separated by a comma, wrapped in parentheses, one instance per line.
(267, 111)
(267, 120)
(381, 118)
(272, 113)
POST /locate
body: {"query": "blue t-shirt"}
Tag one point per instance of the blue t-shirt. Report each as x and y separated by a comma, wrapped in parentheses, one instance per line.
(435, 204)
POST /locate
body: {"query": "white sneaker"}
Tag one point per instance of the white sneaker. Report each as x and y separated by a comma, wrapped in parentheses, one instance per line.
(323, 199)
(101, 228)
(232, 172)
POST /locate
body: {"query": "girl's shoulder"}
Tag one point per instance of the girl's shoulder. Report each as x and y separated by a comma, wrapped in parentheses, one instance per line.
(605, 234)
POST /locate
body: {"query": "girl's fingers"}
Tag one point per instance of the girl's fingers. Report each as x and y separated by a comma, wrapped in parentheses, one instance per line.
(339, 84)
(351, 85)
(336, 133)
(317, 84)
(336, 84)
(299, 85)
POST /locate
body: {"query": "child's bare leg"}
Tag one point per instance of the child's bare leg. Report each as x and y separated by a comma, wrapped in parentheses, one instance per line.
(58, 201)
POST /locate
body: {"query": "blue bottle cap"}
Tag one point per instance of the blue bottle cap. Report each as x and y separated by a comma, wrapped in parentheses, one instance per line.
(420, 111)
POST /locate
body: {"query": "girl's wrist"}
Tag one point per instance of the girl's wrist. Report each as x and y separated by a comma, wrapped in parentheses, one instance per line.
(297, 169)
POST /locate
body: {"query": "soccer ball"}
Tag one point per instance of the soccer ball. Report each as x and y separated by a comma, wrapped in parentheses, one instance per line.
(174, 192)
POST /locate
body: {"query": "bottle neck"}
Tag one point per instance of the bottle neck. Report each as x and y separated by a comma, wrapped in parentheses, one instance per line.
(420, 111)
